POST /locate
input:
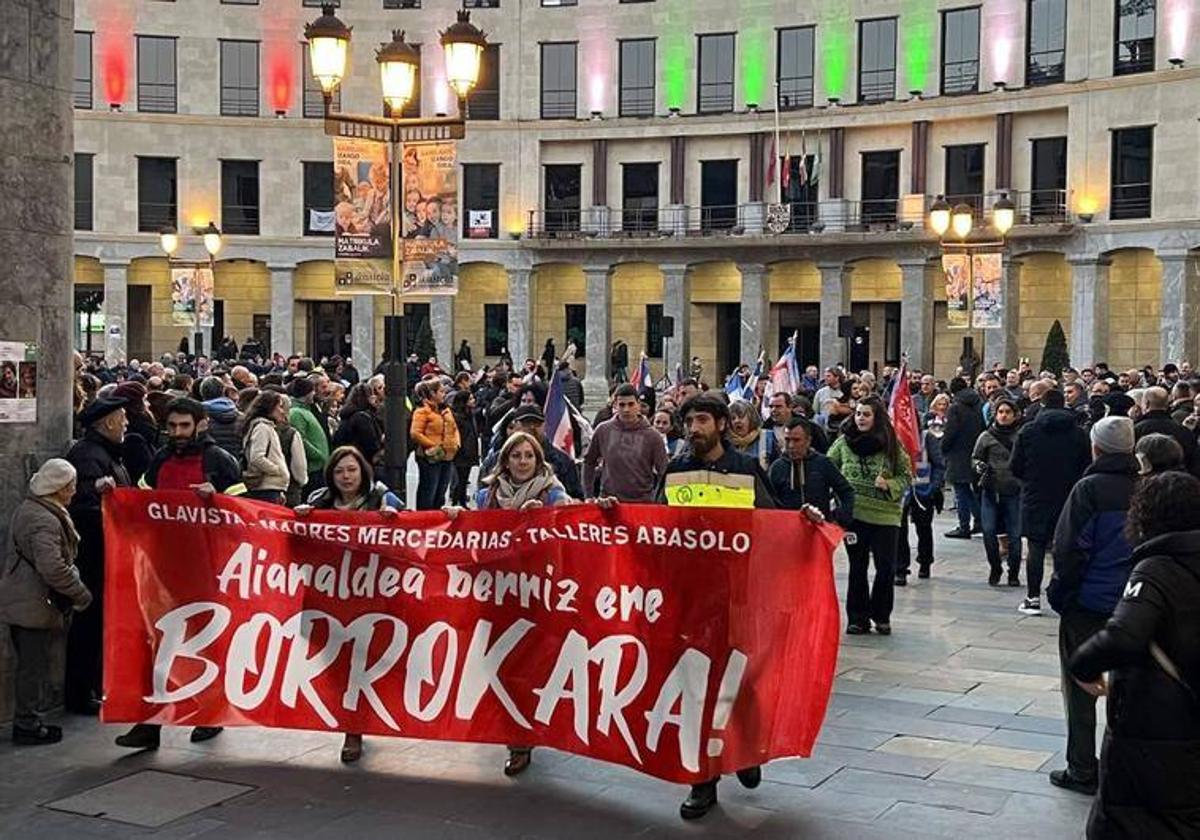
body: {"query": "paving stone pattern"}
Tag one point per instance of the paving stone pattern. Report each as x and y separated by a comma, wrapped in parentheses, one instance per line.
(945, 729)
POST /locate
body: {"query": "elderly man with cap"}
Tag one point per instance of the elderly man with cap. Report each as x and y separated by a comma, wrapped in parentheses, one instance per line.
(1091, 566)
(39, 588)
(529, 418)
(99, 465)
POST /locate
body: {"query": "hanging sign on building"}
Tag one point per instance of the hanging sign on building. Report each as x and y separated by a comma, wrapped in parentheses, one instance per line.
(18, 382)
(192, 297)
(956, 269)
(987, 302)
(362, 230)
(430, 219)
(479, 223)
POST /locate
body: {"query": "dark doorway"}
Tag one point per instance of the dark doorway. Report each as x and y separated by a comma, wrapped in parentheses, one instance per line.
(416, 314)
(804, 320)
(329, 328)
(729, 341)
(218, 327)
(718, 194)
(562, 198)
(137, 321)
(860, 343)
(964, 176)
(1048, 198)
(880, 187)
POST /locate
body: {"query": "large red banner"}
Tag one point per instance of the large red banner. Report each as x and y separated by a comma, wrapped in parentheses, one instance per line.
(682, 642)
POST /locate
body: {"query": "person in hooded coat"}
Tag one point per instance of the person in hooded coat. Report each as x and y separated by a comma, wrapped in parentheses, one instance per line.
(1000, 491)
(1150, 647)
(964, 425)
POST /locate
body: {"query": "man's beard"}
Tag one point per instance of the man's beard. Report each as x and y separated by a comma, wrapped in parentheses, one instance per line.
(702, 444)
(182, 444)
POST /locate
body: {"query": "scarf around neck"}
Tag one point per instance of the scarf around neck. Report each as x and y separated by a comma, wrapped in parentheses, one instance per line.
(509, 495)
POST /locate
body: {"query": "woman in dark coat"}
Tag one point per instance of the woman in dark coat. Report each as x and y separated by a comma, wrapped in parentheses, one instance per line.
(360, 426)
(1150, 762)
(964, 424)
(462, 405)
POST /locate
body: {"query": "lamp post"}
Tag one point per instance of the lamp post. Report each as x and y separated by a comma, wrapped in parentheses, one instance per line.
(169, 241)
(399, 63)
(960, 220)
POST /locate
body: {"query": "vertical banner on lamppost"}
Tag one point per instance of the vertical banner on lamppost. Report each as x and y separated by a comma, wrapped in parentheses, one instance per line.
(987, 295)
(956, 269)
(430, 219)
(362, 210)
(192, 297)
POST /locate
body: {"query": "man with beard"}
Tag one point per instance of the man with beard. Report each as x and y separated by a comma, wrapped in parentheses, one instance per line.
(191, 460)
(710, 468)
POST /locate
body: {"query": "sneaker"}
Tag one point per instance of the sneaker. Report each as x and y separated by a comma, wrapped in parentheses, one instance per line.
(1030, 606)
(883, 629)
(699, 801)
(923, 571)
(958, 534)
(857, 630)
(1064, 779)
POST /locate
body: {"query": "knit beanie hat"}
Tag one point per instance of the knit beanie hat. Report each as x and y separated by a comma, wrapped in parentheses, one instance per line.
(54, 475)
(1113, 435)
(130, 392)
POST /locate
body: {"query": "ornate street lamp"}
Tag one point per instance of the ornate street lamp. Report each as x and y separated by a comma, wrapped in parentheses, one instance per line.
(212, 239)
(961, 220)
(399, 64)
(328, 49)
(168, 240)
(463, 44)
(939, 215)
(1004, 214)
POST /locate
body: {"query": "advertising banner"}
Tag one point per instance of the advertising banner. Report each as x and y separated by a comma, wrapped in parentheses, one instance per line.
(192, 296)
(362, 211)
(956, 269)
(682, 643)
(987, 295)
(430, 219)
(18, 382)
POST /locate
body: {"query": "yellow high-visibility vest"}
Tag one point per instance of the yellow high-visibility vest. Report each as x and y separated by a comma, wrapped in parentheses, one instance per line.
(707, 488)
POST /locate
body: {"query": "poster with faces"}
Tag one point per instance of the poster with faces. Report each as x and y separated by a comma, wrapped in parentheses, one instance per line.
(18, 382)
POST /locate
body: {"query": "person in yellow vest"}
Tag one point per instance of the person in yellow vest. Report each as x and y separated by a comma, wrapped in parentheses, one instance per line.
(709, 472)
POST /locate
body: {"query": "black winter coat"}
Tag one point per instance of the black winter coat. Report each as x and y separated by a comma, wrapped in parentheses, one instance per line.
(1150, 765)
(814, 481)
(1049, 457)
(362, 430)
(1160, 422)
(964, 425)
(93, 458)
(468, 434)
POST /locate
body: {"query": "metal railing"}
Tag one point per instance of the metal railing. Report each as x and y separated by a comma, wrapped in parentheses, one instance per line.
(960, 76)
(154, 216)
(1130, 201)
(877, 86)
(795, 92)
(1045, 68)
(1134, 56)
(157, 97)
(481, 4)
(485, 105)
(239, 218)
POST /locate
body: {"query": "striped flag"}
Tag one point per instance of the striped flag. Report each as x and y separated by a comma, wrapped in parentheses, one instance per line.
(558, 416)
(785, 373)
(644, 379)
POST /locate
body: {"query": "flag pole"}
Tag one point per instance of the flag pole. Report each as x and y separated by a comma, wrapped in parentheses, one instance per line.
(778, 148)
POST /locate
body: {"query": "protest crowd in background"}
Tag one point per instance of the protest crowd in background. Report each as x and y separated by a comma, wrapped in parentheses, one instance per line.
(1038, 464)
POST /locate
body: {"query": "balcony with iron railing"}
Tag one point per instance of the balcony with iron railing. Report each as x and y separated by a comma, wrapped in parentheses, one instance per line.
(153, 217)
(1130, 201)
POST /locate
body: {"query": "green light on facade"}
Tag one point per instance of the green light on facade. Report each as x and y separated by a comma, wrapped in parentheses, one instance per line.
(755, 48)
(676, 55)
(836, 53)
(917, 43)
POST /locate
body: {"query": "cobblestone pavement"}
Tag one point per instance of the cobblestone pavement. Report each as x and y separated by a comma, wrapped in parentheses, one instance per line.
(945, 729)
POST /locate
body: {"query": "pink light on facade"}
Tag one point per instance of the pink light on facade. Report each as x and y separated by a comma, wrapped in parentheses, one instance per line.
(281, 56)
(114, 51)
(1178, 23)
(1001, 58)
(596, 87)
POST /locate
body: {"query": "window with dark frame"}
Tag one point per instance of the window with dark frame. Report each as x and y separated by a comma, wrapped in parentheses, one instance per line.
(239, 196)
(313, 97)
(156, 79)
(1133, 47)
(654, 332)
(563, 196)
(495, 328)
(576, 327)
(1132, 173)
(794, 63)
(82, 91)
(83, 191)
(1048, 180)
(559, 80)
(714, 93)
(891, 333)
(800, 192)
(877, 60)
(880, 187)
(639, 196)
(318, 195)
(483, 102)
(412, 108)
(1045, 42)
(636, 78)
(158, 196)
(964, 175)
(960, 50)
(718, 194)
(239, 78)
(481, 194)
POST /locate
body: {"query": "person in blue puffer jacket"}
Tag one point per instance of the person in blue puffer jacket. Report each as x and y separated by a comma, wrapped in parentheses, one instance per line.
(923, 499)
(1092, 564)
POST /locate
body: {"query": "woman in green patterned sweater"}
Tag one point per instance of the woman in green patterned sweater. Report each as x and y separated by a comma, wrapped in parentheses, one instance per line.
(878, 468)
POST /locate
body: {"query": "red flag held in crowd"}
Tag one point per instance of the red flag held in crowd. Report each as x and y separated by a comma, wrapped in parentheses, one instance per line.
(904, 414)
(684, 643)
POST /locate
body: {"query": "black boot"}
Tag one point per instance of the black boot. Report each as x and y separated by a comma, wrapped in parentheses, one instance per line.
(43, 734)
(750, 777)
(994, 576)
(699, 801)
(143, 736)
(205, 733)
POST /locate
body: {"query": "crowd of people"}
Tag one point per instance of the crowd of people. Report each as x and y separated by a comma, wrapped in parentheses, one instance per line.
(1088, 466)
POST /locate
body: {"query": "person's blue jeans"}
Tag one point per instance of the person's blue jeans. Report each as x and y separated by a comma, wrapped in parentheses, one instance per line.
(1000, 515)
(432, 483)
(966, 503)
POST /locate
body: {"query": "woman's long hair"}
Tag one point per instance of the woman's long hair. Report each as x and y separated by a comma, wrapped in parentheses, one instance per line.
(514, 439)
(264, 404)
(359, 399)
(340, 454)
(1163, 504)
(881, 429)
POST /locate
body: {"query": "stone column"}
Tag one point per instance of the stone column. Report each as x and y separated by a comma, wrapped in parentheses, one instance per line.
(520, 313)
(362, 333)
(916, 313)
(283, 309)
(1088, 341)
(1180, 308)
(36, 238)
(441, 321)
(1000, 345)
(116, 310)
(676, 303)
(756, 311)
(599, 330)
(835, 301)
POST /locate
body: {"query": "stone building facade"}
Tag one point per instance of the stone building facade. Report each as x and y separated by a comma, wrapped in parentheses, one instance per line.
(632, 182)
